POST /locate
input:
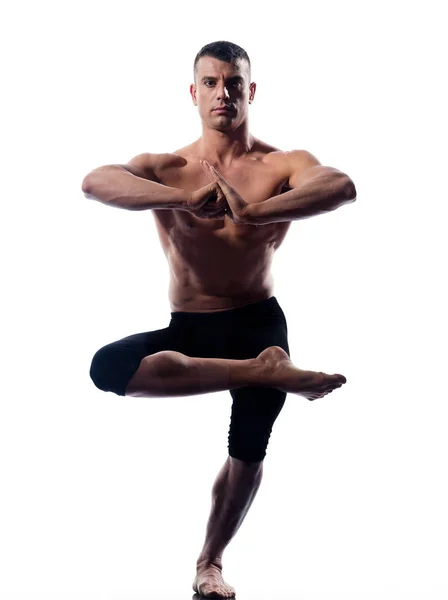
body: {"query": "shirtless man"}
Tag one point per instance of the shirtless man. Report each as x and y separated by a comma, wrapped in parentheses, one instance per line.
(222, 206)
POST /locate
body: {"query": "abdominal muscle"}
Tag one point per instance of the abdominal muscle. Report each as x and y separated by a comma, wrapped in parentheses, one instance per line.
(217, 266)
(187, 298)
(190, 300)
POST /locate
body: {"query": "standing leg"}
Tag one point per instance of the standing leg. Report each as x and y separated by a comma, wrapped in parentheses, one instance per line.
(233, 493)
(254, 411)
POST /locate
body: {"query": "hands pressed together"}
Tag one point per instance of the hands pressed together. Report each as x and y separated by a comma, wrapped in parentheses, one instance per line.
(217, 199)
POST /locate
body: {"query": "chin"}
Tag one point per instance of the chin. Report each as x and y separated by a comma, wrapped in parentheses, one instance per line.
(227, 124)
(225, 129)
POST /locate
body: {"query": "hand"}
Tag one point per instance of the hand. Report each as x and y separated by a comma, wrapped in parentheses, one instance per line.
(208, 202)
(237, 205)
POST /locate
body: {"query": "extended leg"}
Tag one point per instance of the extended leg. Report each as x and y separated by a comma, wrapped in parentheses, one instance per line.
(233, 493)
(170, 373)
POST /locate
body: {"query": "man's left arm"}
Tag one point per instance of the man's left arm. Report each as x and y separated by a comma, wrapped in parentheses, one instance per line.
(316, 189)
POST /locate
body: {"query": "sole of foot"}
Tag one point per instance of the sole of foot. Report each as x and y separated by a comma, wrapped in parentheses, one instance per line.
(283, 375)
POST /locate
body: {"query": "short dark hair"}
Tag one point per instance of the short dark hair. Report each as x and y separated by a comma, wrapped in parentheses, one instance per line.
(225, 51)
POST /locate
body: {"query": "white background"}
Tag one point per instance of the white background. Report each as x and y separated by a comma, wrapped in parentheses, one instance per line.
(107, 497)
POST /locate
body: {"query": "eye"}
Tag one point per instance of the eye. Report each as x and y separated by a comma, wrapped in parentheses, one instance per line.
(231, 84)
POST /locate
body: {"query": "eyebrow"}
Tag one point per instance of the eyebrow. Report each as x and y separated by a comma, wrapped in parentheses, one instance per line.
(234, 77)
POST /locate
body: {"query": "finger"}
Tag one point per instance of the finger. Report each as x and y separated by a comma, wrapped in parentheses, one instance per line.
(205, 166)
(226, 190)
(222, 182)
(213, 173)
(221, 197)
(217, 173)
(216, 198)
(208, 170)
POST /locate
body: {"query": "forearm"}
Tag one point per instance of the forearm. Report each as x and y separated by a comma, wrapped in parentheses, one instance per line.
(117, 187)
(315, 197)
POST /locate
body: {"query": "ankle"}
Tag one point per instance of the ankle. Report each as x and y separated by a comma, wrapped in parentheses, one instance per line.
(258, 373)
(206, 561)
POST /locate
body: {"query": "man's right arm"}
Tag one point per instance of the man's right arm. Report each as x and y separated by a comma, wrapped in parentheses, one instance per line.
(133, 186)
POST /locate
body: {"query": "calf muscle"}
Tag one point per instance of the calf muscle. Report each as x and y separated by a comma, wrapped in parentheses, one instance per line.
(170, 374)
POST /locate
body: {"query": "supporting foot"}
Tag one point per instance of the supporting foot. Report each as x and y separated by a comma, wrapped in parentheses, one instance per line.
(209, 582)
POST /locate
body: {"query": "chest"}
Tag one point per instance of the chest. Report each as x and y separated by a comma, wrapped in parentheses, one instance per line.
(254, 182)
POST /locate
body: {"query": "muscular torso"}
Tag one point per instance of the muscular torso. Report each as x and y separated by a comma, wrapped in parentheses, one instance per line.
(216, 264)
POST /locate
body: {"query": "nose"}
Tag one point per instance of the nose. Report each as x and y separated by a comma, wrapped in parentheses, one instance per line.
(222, 92)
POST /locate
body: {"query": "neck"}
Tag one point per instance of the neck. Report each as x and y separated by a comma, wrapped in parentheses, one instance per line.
(222, 147)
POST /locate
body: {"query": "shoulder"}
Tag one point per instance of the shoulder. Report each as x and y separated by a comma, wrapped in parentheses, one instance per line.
(153, 160)
(293, 159)
(301, 159)
(154, 164)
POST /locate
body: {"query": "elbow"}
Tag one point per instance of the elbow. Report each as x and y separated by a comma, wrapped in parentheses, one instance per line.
(91, 181)
(350, 191)
(86, 186)
(96, 181)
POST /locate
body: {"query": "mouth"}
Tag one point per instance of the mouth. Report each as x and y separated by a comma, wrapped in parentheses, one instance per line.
(223, 109)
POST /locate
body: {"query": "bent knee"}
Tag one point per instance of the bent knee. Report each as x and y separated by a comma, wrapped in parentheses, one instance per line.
(101, 367)
(112, 368)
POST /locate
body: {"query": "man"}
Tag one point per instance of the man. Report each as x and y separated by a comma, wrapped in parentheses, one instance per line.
(222, 206)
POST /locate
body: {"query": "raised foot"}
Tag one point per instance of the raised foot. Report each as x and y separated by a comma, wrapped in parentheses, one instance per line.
(283, 375)
(209, 582)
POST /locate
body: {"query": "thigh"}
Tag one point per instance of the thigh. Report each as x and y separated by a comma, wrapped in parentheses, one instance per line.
(255, 409)
(114, 364)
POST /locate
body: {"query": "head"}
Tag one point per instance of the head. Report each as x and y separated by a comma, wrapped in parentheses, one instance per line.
(222, 74)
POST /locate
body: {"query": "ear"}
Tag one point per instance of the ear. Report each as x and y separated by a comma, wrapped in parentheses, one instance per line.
(193, 93)
(252, 89)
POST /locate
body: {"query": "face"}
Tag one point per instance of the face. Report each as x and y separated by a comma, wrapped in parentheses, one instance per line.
(222, 84)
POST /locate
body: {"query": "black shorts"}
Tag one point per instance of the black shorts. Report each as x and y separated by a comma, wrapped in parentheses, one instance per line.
(239, 333)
